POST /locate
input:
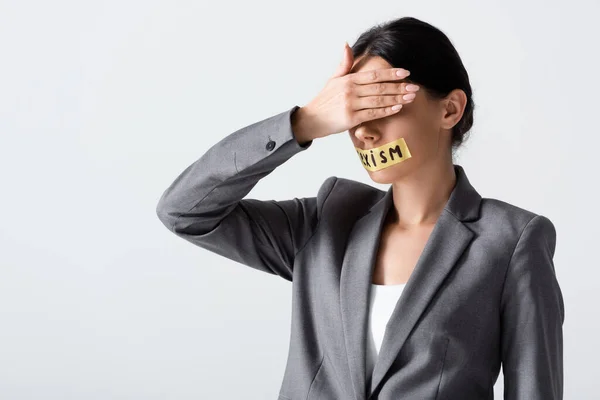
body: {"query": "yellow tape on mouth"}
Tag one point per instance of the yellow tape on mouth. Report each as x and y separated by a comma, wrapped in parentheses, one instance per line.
(384, 156)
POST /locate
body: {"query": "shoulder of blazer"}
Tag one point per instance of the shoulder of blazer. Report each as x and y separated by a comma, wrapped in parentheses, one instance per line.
(491, 204)
(506, 210)
(511, 219)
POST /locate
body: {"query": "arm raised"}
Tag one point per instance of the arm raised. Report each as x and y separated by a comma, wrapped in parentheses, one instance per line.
(205, 204)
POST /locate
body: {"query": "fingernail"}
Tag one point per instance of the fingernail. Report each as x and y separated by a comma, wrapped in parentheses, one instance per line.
(412, 87)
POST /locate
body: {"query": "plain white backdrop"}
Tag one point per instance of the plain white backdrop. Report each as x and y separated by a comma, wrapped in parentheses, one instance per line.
(103, 104)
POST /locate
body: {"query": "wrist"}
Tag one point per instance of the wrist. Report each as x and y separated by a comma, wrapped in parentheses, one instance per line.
(300, 126)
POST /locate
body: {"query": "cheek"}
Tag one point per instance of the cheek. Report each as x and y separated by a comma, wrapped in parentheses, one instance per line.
(418, 132)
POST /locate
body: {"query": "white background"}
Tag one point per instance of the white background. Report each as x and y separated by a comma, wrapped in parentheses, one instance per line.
(103, 104)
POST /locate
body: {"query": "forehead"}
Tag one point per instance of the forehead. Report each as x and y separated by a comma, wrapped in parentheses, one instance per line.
(369, 63)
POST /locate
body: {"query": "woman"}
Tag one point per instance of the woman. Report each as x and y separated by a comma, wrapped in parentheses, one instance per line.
(419, 292)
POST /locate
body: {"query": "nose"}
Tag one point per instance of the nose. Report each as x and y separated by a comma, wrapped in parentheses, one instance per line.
(364, 135)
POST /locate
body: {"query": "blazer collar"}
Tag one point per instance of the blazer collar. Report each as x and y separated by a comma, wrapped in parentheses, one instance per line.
(447, 241)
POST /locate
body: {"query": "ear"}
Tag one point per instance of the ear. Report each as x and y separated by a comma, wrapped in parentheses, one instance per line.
(454, 108)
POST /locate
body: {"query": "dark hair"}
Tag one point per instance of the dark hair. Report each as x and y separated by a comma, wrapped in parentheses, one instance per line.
(428, 54)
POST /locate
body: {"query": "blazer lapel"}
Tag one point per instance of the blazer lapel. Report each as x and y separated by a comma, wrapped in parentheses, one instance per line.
(355, 279)
(442, 250)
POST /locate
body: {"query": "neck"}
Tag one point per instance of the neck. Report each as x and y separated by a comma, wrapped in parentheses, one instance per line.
(420, 197)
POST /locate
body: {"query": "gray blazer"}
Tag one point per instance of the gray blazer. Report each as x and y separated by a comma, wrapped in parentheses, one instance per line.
(483, 293)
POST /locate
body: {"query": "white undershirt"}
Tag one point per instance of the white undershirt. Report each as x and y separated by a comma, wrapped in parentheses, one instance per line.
(382, 302)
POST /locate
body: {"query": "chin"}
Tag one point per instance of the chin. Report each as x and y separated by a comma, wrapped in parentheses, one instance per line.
(380, 178)
(388, 175)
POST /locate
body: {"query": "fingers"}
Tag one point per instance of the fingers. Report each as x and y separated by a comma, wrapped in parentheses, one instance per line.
(383, 96)
(378, 75)
(375, 94)
(404, 96)
(369, 114)
(384, 88)
(377, 91)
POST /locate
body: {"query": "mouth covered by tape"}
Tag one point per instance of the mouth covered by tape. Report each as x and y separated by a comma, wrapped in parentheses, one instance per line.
(384, 156)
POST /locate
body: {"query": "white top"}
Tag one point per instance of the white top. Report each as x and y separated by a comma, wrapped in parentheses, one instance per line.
(381, 305)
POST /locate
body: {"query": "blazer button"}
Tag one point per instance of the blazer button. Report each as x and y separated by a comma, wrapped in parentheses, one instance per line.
(270, 145)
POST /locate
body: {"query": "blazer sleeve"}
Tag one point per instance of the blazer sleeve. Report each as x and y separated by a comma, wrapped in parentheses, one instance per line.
(205, 204)
(532, 316)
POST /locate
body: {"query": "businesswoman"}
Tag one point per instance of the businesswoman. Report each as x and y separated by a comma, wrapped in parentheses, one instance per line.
(422, 291)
